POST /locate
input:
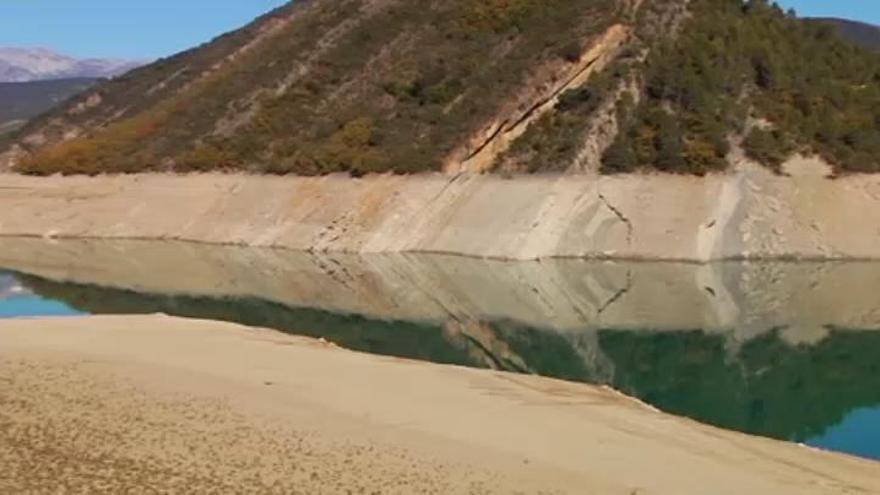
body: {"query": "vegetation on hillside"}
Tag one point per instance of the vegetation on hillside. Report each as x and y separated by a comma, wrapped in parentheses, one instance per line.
(751, 70)
(420, 80)
(348, 86)
(553, 142)
(860, 33)
(24, 100)
(396, 85)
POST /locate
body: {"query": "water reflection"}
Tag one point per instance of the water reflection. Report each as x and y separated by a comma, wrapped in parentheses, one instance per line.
(16, 301)
(858, 434)
(778, 349)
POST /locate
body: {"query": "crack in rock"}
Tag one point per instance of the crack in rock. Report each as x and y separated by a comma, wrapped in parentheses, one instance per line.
(622, 292)
(621, 216)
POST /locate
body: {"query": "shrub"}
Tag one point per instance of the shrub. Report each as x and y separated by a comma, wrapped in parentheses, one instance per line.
(767, 147)
(733, 59)
(619, 158)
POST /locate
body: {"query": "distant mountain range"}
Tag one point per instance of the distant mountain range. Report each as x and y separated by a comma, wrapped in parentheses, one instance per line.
(33, 64)
(860, 33)
(33, 80)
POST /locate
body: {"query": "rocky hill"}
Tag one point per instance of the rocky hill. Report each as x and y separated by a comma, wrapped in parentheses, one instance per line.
(860, 33)
(363, 86)
(37, 64)
(20, 101)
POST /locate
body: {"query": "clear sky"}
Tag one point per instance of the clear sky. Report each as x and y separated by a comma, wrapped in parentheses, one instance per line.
(860, 10)
(123, 28)
(154, 28)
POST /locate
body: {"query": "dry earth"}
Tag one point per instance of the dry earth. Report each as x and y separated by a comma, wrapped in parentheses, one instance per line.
(749, 213)
(161, 405)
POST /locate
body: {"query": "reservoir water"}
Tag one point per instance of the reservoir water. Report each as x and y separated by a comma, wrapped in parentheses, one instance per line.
(780, 349)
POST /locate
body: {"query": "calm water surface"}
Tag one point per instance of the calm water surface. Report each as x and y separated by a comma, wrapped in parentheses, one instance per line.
(16, 301)
(784, 350)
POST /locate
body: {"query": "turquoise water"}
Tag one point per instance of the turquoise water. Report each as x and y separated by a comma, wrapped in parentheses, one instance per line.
(810, 375)
(857, 434)
(25, 307)
(17, 302)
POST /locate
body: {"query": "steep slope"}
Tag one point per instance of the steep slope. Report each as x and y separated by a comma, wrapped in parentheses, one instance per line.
(35, 64)
(25, 100)
(736, 75)
(507, 85)
(320, 85)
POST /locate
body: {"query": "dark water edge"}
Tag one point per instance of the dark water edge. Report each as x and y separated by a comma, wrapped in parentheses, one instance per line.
(821, 393)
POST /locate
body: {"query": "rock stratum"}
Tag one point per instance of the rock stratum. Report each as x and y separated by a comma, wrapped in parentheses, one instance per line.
(748, 214)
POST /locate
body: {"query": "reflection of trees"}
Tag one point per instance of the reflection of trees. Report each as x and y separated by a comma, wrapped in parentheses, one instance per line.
(392, 338)
(767, 387)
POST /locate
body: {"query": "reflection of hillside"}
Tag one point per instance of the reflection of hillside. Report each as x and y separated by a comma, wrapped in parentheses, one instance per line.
(392, 338)
(765, 385)
(738, 299)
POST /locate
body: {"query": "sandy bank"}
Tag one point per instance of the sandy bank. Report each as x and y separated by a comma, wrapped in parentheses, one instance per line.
(750, 213)
(121, 403)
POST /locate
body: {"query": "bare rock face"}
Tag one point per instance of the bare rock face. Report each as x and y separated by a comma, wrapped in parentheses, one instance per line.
(751, 213)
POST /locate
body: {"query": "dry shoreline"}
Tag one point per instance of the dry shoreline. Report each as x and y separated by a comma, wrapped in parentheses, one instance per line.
(746, 214)
(120, 403)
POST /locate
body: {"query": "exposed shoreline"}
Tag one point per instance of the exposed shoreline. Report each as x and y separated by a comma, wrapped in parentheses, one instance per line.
(746, 215)
(300, 411)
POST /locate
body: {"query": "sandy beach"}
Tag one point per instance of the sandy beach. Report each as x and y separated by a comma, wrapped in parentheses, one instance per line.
(158, 404)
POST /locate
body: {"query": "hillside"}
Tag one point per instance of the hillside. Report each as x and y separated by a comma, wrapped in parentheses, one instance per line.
(860, 33)
(37, 64)
(366, 86)
(22, 101)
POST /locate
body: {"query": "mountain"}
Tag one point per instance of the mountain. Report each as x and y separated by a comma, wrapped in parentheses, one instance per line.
(510, 86)
(33, 64)
(860, 33)
(24, 100)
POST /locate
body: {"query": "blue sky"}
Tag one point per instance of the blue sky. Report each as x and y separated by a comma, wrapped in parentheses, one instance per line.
(122, 28)
(862, 10)
(127, 29)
